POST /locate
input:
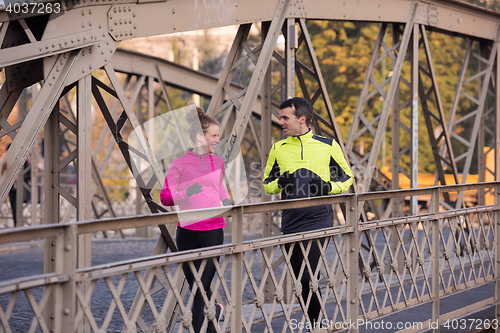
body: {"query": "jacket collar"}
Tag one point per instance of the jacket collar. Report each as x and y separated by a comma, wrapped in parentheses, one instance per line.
(307, 134)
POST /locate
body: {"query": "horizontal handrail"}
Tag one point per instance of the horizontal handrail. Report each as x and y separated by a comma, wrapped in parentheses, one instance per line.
(22, 234)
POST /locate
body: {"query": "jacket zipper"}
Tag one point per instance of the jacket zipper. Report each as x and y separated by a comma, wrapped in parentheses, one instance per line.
(301, 149)
(201, 163)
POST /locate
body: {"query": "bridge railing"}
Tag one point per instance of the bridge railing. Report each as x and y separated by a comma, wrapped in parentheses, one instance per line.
(365, 271)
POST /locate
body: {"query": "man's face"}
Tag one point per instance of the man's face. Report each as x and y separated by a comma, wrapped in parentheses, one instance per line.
(290, 124)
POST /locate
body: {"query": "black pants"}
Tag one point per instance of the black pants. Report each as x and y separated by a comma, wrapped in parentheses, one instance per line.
(188, 240)
(296, 261)
(13, 204)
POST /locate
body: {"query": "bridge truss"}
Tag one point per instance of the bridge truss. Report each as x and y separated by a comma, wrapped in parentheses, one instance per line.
(75, 52)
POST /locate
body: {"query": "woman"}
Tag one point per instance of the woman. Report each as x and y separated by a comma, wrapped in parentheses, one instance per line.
(195, 181)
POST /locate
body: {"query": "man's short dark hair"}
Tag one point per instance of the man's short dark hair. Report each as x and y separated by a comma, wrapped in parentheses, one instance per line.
(300, 108)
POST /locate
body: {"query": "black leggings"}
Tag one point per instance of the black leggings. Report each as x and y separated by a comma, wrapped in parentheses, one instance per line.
(296, 261)
(192, 239)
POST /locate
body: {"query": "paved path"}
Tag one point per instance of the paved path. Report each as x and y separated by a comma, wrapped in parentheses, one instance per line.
(27, 260)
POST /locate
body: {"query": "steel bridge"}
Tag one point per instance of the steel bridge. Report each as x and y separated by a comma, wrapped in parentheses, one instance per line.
(61, 61)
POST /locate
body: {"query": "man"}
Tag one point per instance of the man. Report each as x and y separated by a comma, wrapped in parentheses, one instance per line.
(300, 166)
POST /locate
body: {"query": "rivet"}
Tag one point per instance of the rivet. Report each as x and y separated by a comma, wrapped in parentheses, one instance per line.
(100, 26)
(126, 33)
(68, 247)
(90, 11)
(130, 21)
(174, 27)
(114, 9)
(353, 301)
(133, 14)
(116, 22)
(131, 32)
(83, 70)
(83, 25)
(83, 13)
(40, 48)
(120, 9)
(66, 311)
(90, 23)
(53, 243)
(129, 8)
(353, 249)
(53, 259)
(173, 11)
(352, 209)
(90, 66)
(110, 16)
(120, 21)
(111, 29)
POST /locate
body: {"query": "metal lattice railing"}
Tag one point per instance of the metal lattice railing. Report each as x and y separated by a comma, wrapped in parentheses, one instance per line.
(364, 271)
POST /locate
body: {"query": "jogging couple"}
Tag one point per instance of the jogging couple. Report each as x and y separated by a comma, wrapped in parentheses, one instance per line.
(302, 165)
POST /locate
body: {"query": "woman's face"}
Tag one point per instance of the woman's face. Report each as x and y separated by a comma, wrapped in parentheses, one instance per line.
(211, 138)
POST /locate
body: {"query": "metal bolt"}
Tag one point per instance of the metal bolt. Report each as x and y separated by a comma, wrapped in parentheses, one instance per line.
(173, 11)
(90, 11)
(52, 316)
(68, 247)
(53, 259)
(66, 311)
(352, 209)
(83, 13)
(353, 301)
(53, 243)
(110, 16)
(53, 186)
(353, 249)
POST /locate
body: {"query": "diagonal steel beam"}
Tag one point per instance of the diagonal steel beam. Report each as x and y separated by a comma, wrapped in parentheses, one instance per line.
(256, 82)
(321, 82)
(35, 120)
(389, 101)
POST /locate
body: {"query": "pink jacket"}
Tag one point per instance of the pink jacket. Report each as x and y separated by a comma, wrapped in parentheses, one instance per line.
(206, 170)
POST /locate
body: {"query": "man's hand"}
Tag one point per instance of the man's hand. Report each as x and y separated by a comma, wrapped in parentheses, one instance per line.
(193, 189)
(227, 202)
(286, 179)
(318, 187)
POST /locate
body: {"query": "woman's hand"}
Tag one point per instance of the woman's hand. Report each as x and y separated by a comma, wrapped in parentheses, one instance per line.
(193, 189)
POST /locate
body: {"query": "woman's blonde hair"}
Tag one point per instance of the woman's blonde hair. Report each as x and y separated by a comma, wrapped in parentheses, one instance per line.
(198, 121)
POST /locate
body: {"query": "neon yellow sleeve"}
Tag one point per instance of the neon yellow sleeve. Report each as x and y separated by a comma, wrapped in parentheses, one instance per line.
(271, 174)
(343, 170)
